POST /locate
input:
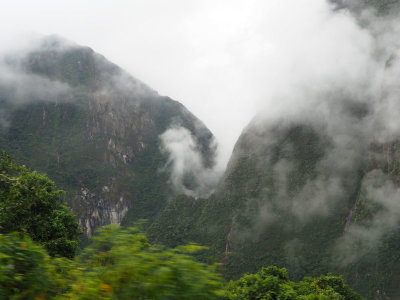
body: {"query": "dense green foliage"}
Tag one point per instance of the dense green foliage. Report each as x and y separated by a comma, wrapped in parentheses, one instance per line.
(121, 264)
(24, 268)
(274, 283)
(30, 202)
(125, 266)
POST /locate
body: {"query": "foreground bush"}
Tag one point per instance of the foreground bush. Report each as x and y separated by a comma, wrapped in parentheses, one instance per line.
(121, 264)
(25, 268)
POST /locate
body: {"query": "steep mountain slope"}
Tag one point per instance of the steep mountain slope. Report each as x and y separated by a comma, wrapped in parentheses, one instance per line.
(67, 111)
(293, 197)
(315, 191)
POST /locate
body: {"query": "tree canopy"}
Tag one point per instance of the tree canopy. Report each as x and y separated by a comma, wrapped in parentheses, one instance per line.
(273, 283)
(30, 202)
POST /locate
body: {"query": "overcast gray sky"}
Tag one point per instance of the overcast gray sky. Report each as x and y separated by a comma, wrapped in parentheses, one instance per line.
(223, 59)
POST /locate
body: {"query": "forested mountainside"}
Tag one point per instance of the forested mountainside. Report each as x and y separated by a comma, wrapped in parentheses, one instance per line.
(94, 129)
(316, 192)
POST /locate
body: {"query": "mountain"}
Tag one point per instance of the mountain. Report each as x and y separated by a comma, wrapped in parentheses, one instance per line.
(94, 129)
(314, 191)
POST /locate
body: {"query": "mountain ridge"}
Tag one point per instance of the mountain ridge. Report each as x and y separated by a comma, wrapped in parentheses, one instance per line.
(94, 130)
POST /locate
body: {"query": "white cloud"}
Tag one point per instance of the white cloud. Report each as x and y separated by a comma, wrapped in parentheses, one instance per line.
(222, 59)
(188, 172)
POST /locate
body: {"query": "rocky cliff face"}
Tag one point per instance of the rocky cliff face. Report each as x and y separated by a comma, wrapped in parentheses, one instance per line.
(67, 111)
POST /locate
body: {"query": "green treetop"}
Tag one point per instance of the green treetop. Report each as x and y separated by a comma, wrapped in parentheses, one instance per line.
(30, 202)
(273, 283)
